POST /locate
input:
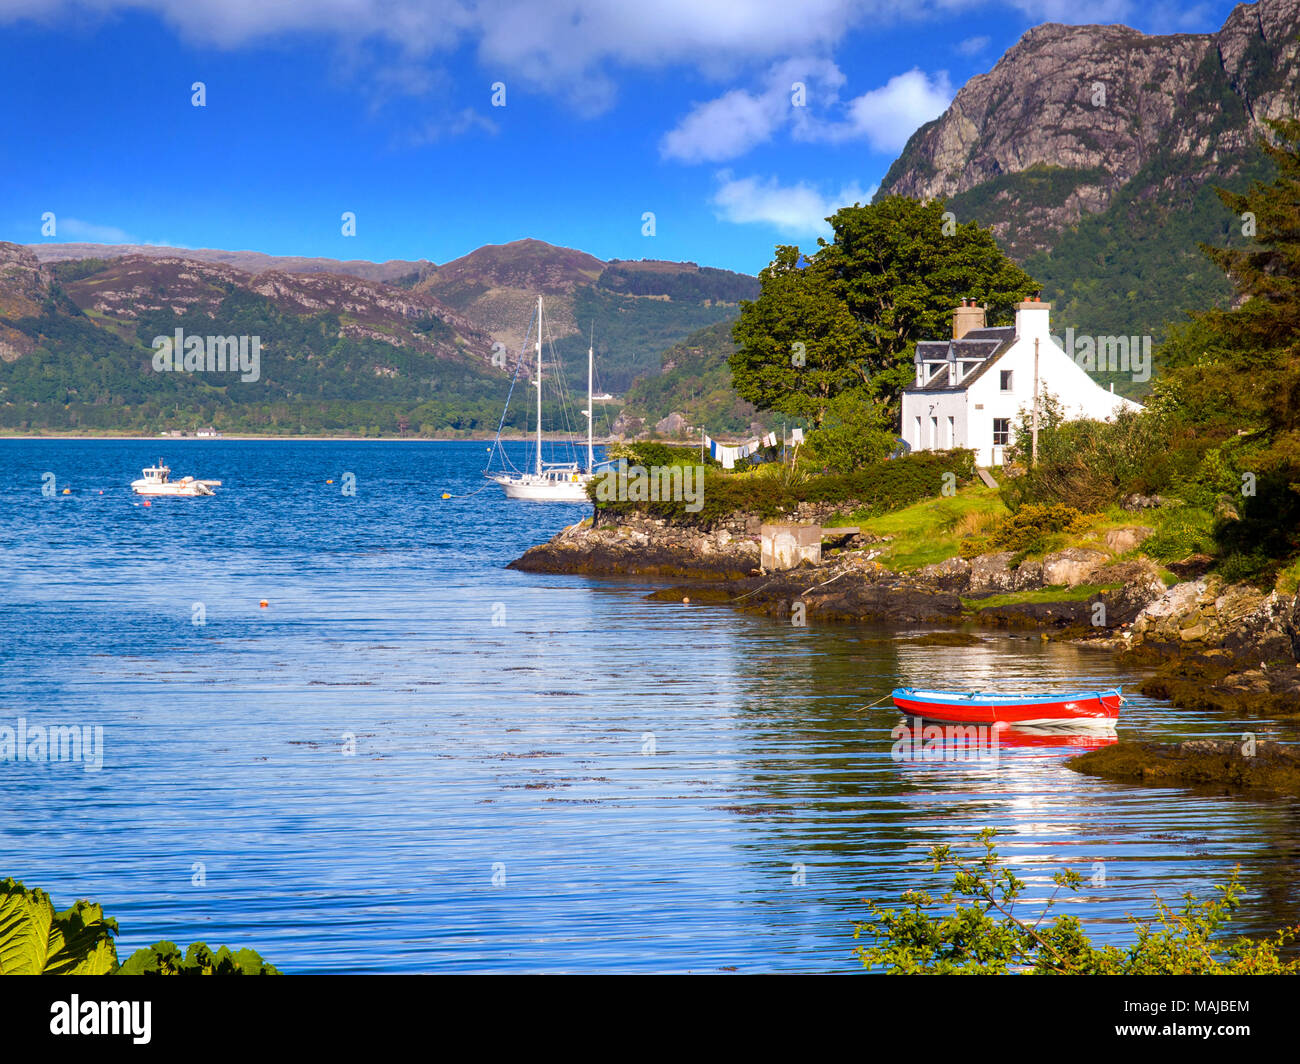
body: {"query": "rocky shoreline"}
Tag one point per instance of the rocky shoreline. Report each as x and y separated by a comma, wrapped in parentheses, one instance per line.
(1240, 765)
(1216, 646)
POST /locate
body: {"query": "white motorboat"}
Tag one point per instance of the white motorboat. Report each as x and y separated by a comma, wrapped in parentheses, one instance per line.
(157, 481)
(550, 481)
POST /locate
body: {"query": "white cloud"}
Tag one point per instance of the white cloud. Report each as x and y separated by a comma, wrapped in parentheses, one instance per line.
(573, 48)
(721, 129)
(465, 121)
(973, 45)
(729, 126)
(887, 116)
(560, 46)
(737, 121)
(91, 233)
(793, 210)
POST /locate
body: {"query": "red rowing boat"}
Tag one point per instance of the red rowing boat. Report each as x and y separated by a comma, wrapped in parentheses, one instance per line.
(1095, 709)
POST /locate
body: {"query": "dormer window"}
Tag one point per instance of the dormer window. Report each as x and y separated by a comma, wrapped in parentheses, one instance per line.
(1006, 380)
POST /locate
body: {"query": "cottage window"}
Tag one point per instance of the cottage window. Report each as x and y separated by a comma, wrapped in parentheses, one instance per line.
(1001, 431)
(1006, 380)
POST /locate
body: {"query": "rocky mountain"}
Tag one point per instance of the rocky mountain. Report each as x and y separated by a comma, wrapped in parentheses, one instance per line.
(631, 311)
(336, 353)
(120, 292)
(24, 289)
(1093, 152)
(498, 285)
(393, 271)
(76, 334)
(1095, 106)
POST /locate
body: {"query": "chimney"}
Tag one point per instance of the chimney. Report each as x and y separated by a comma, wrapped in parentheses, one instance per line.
(965, 318)
(1031, 319)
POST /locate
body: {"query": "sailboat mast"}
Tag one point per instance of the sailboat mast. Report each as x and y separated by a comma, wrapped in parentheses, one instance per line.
(591, 410)
(539, 386)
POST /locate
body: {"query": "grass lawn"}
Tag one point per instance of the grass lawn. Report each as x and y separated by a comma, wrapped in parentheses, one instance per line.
(1056, 593)
(930, 531)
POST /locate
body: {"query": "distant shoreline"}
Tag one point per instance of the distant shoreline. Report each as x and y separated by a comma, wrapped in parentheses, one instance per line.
(320, 439)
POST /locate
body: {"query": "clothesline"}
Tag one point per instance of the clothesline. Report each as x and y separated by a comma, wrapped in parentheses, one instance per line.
(730, 454)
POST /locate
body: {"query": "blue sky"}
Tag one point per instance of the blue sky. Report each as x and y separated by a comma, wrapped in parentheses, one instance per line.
(384, 108)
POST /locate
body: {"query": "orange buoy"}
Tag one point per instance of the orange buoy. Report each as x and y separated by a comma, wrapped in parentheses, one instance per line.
(446, 495)
(67, 491)
(329, 482)
(686, 601)
(146, 503)
(263, 604)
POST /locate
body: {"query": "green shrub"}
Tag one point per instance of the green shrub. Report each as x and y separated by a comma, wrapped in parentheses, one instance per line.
(35, 940)
(874, 489)
(648, 454)
(1026, 531)
(980, 933)
(1187, 530)
(166, 958)
(1085, 464)
(1033, 522)
(856, 432)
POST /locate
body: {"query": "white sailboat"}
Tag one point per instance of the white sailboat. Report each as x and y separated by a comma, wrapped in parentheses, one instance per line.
(551, 481)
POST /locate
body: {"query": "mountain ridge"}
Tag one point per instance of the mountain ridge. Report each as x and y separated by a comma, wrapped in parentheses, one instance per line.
(75, 333)
(1094, 152)
(1071, 97)
(248, 261)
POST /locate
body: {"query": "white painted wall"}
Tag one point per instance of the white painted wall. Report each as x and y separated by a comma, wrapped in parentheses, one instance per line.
(940, 406)
(974, 409)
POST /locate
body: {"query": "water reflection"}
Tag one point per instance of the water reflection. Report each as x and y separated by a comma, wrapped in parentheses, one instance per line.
(870, 817)
(664, 787)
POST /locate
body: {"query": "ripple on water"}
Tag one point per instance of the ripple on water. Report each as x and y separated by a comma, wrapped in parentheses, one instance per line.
(375, 776)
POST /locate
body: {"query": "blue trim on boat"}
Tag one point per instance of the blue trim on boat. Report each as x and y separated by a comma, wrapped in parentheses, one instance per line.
(955, 698)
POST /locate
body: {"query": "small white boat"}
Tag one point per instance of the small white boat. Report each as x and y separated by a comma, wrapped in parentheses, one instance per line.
(156, 481)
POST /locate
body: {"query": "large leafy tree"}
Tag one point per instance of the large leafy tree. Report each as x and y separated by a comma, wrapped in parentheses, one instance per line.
(1267, 274)
(1236, 372)
(798, 345)
(889, 277)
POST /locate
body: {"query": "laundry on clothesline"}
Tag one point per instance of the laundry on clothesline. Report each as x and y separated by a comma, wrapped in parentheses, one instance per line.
(729, 455)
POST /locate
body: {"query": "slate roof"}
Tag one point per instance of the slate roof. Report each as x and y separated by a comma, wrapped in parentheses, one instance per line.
(983, 344)
(1000, 332)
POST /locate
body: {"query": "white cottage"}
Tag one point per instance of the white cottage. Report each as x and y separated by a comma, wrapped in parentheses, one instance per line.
(969, 390)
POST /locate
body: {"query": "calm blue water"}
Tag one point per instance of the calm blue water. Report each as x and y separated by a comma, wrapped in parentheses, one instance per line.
(594, 782)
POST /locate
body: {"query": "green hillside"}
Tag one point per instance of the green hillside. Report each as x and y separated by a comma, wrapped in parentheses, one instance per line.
(630, 333)
(1137, 266)
(696, 383)
(83, 374)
